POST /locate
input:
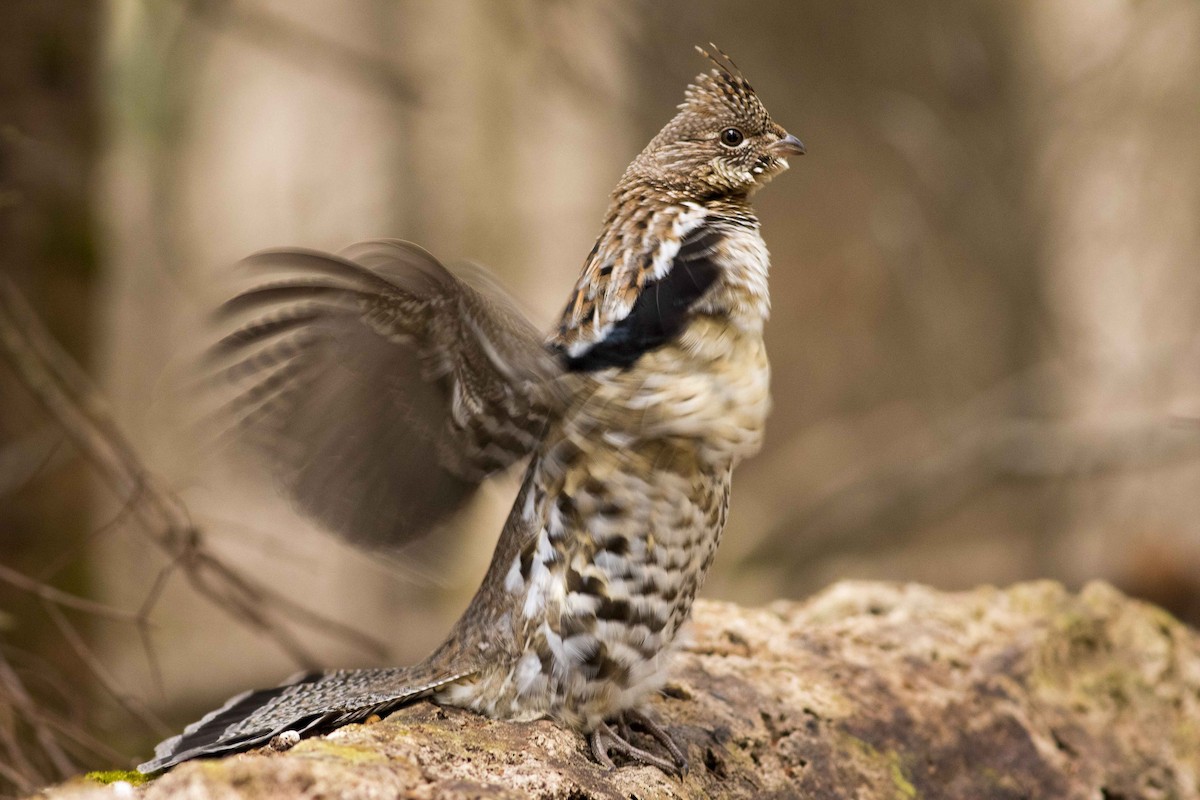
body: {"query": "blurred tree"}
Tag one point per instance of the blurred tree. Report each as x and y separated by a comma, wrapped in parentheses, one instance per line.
(49, 140)
(1115, 108)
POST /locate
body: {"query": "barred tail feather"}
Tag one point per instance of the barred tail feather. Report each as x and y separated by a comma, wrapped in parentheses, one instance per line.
(312, 703)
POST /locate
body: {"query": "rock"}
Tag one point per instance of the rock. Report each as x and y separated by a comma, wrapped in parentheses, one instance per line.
(865, 691)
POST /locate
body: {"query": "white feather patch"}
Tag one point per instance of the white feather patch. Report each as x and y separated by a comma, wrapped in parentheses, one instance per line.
(528, 674)
(615, 305)
(513, 581)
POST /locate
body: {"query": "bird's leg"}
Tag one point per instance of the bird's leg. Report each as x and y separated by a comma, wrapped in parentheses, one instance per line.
(599, 748)
(604, 740)
(623, 729)
(633, 716)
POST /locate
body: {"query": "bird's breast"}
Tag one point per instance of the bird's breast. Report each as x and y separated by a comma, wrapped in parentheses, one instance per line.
(709, 392)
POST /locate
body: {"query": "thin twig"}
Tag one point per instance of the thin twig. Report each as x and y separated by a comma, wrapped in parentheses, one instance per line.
(980, 445)
(148, 604)
(65, 391)
(47, 727)
(14, 776)
(59, 597)
(133, 705)
(244, 601)
(83, 739)
(23, 703)
(303, 615)
(76, 549)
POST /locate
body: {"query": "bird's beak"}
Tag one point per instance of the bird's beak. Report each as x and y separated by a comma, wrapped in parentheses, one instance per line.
(787, 146)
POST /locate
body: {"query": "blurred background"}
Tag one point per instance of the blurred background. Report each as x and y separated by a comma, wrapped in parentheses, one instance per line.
(985, 337)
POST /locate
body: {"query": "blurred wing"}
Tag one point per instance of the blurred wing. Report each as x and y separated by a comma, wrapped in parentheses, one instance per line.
(380, 388)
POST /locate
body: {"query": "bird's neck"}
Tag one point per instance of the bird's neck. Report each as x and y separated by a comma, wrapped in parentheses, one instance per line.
(647, 192)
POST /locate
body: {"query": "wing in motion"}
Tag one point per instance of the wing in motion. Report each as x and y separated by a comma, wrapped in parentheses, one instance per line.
(380, 387)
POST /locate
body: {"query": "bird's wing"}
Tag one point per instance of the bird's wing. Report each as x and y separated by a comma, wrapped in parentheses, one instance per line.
(380, 387)
(636, 294)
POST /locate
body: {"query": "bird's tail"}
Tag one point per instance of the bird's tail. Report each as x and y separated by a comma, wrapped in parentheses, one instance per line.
(307, 704)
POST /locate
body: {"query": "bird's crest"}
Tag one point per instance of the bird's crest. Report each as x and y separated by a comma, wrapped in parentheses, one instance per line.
(724, 86)
(722, 61)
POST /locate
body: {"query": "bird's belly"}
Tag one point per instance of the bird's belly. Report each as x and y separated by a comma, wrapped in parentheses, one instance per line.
(601, 591)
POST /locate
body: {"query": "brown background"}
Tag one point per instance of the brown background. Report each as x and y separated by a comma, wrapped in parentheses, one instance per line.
(986, 326)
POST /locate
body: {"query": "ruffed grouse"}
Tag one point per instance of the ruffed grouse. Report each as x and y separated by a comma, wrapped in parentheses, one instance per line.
(632, 414)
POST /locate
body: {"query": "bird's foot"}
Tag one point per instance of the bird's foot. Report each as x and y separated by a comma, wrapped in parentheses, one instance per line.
(606, 739)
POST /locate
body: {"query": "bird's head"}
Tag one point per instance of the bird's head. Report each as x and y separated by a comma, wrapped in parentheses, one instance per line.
(721, 143)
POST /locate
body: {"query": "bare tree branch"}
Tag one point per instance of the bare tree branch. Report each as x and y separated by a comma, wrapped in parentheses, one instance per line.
(38, 743)
(984, 443)
(52, 595)
(23, 705)
(133, 705)
(35, 743)
(65, 391)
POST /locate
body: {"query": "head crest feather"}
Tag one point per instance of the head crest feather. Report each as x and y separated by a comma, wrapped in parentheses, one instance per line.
(722, 61)
(725, 81)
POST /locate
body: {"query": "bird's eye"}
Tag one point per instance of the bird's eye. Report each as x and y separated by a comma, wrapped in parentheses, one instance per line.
(732, 137)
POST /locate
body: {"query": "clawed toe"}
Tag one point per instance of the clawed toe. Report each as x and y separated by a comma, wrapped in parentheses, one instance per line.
(605, 740)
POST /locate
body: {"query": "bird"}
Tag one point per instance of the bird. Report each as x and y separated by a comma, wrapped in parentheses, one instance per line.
(385, 387)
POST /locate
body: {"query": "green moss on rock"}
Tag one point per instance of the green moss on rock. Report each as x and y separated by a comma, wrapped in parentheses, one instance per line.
(107, 776)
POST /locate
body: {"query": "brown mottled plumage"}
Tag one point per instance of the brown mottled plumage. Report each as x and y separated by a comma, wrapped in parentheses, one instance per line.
(633, 415)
